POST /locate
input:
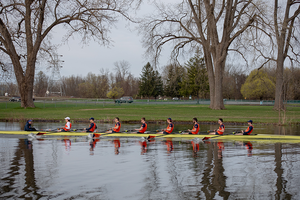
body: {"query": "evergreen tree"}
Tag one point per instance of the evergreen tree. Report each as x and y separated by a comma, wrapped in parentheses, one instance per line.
(173, 82)
(147, 86)
(158, 83)
(195, 82)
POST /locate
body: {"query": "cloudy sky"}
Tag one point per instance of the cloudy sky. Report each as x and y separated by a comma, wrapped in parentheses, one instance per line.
(81, 59)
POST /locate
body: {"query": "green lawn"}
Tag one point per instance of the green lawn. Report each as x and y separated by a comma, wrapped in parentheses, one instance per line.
(132, 112)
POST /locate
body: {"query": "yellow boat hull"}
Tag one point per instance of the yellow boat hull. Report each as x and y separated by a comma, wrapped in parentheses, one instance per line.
(290, 138)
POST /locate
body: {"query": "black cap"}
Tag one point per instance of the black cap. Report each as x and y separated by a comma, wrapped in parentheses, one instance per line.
(92, 118)
(250, 121)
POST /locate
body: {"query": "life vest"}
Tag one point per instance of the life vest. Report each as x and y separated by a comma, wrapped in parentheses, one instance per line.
(221, 127)
(249, 130)
(115, 129)
(195, 129)
(172, 127)
(68, 126)
(143, 128)
(92, 128)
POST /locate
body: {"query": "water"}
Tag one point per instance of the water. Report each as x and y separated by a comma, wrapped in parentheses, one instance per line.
(124, 168)
(132, 169)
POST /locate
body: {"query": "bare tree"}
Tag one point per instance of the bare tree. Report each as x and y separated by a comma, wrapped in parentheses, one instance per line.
(25, 24)
(279, 40)
(284, 33)
(213, 25)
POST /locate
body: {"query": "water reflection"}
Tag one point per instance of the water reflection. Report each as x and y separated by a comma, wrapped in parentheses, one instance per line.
(155, 169)
(143, 144)
(67, 142)
(169, 144)
(93, 143)
(117, 145)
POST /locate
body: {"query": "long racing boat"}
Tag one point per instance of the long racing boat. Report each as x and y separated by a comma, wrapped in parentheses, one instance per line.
(252, 137)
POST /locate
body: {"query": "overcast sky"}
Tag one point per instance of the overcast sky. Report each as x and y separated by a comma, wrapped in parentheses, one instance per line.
(81, 59)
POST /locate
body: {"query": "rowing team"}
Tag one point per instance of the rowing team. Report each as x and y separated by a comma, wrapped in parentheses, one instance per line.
(143, 128)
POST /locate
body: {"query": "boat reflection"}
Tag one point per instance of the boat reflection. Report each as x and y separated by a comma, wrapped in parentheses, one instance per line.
(211, 175)
(117, 145)
(247, 145)
(67, 143)
(169, 144)
(143, 146)
(195, 145)
(93, 143)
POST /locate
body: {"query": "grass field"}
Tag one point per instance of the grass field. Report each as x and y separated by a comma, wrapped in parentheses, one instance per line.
(133, 112)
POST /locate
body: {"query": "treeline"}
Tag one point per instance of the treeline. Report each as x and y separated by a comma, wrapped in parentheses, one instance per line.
(182, 81)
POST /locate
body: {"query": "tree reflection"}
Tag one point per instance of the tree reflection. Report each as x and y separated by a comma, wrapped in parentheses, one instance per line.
(281, 192)
(214, 180)
(22, 156)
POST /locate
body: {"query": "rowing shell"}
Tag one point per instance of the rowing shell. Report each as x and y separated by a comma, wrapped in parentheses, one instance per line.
(291, 138)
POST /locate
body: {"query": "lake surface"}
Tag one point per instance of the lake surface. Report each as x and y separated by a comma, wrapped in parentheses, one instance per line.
(124, 168)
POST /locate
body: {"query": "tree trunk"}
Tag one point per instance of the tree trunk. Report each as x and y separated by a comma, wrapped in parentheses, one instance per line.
(218, 104)
(25, 82)
(278, 105)
(211, 78)
(215, 81)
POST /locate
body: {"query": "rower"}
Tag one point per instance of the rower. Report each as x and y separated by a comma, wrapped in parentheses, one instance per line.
(28, 126)
(92, 126)
(67, 126)
(221, 129)
(169, 129)
(195, 129)
(249, 130)
(143, 126)
(117, 127)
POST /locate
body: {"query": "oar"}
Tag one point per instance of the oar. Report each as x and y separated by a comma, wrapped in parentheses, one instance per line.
(158, 136)
(182, 131)
(133, 130)
(97, 134)
(207, 138)
(233, 133)
(78, 129)
(48, 132)
(204, 132)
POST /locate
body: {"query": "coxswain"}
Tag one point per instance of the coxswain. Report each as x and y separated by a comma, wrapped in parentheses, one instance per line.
(249, 130)
(67, 126)
(143, 126)
(117, 127)
(221, 129)
(169, 129)
(92, 126)
(28, 126)
(195, 129)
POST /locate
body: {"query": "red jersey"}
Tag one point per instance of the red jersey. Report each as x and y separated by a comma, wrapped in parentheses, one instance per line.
(195, 129)
(221, 127)
(117, 129)
(249, 130)
(170, 126)
(144, 128)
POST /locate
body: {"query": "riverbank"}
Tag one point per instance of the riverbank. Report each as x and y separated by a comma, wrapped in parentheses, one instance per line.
(131, 113)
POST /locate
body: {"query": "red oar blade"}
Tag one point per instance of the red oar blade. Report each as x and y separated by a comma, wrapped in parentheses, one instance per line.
(40, 133)
(205, 138)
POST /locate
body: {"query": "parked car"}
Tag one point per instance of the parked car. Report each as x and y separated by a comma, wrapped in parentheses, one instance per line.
(124, 100)
(175, 99)
(18, 99)
(13, 99)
